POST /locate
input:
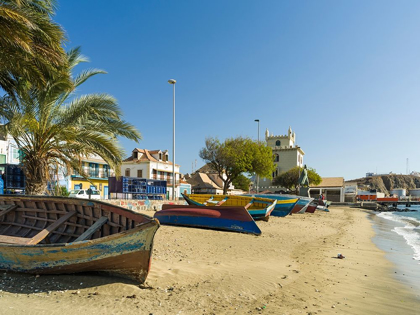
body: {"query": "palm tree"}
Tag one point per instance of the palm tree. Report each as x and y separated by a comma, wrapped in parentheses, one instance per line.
(31, 43)
(53, 129)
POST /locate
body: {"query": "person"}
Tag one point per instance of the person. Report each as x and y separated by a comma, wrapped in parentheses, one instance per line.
(322, 195)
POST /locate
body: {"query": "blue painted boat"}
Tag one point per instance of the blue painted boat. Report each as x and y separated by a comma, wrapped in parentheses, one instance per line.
(284, 204)
(235, 219)
(258, 208)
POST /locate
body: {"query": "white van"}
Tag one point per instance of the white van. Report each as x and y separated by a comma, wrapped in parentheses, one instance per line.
(83, 193)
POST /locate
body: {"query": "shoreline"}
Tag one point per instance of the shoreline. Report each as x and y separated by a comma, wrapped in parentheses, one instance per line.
(290, 269)
(401, 254)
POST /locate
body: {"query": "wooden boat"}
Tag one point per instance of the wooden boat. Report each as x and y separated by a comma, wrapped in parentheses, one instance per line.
(311, 207)
(56, 235)
(236, 219)
(258, 208)
(302, 205)
(284, 205)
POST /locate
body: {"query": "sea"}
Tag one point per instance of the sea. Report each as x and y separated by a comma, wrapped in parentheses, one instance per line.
(398, 234)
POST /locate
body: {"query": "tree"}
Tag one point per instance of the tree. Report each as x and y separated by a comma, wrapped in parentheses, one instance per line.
(31, 44)
(290, 178)
(54, 130)
(236, 156)
(241, 182)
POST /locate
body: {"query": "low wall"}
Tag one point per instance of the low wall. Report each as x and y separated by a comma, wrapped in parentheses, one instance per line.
(145, 205)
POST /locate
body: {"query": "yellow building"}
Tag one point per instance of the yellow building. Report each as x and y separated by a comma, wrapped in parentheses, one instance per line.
(98, 172)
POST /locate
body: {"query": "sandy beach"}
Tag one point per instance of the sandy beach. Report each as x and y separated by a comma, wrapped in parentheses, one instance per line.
(290, 269)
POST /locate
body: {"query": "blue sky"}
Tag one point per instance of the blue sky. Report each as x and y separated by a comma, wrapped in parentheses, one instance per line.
(345, 75)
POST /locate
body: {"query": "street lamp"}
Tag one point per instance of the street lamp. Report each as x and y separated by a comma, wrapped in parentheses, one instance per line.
(258, 121)
(172, 81)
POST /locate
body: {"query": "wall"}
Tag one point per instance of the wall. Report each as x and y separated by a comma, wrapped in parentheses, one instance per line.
(151, 205)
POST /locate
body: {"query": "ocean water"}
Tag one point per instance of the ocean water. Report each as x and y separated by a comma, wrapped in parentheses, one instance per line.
(398, 234)
(408, 227)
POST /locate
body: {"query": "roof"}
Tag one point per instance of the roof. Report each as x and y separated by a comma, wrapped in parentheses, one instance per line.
(147, 156)
(331, 182)
(203, 180)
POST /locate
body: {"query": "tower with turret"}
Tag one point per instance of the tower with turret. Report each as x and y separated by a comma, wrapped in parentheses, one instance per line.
(287, 154)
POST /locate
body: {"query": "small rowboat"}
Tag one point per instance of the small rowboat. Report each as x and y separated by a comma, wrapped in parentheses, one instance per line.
(235, 219)
(302, 205)
(285, 203)
(258, 208)
(55, 235)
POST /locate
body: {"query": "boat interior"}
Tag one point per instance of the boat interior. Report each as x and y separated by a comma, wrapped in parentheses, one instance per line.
(31, 220)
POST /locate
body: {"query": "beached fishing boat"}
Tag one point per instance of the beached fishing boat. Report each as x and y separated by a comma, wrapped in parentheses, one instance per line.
(284, 205)
(311, 207)
(55, 235)
(258, 208)
(228, 218)
(302, 205)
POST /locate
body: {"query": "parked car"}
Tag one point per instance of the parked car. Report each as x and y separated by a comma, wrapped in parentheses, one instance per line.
(83, 193)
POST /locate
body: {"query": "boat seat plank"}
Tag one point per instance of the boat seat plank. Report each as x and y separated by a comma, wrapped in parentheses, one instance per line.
(222, 201)
(89, 232)
(5, 209)
(14, 240)
(249, 204)
(52, 227)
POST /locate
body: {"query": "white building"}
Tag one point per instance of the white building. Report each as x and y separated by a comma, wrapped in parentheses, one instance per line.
(287, 155)
(9, 152)
(152, 165)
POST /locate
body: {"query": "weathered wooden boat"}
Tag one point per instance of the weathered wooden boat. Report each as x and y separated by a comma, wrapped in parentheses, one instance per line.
(284, 204)
(57, 235)
(236, 219)
(258, 208)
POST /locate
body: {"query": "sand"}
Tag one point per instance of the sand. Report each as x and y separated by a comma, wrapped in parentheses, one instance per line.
(290, 269)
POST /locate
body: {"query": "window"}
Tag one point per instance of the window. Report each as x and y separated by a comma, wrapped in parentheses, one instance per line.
(140, 173)
(276, 157)
(93, 170)
(106, 170)
(127, 172)
(278, 143)
(160, 156)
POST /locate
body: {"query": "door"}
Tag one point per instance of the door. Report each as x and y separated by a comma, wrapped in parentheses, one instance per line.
(105, 192)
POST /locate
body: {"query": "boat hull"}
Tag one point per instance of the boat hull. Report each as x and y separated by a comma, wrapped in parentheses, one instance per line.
(258, 208)
(121, 246)
(235, 219)
(284, 205)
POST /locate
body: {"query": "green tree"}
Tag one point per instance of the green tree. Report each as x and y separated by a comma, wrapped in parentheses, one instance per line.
(236, 156)
(241, 182)
(31, 44)
(290, 178)
(55, 130)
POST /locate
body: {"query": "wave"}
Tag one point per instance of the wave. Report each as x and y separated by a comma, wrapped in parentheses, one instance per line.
(410, 231)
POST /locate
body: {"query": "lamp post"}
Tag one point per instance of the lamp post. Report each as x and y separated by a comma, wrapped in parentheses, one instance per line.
(172, 81)
(258, 121)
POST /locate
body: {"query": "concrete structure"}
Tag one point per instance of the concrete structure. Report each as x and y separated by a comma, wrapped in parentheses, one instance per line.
(415, 192)
(331, 187)
(153, 164)
(399, 192)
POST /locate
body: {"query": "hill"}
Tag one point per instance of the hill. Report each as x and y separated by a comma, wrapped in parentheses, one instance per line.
(385, 183)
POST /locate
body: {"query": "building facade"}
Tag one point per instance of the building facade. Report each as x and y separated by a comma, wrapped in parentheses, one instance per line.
(97, 171)
(287, 155)
(153, 164)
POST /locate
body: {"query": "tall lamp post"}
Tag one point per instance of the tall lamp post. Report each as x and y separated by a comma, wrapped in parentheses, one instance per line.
(172, 81)
(258, 121)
